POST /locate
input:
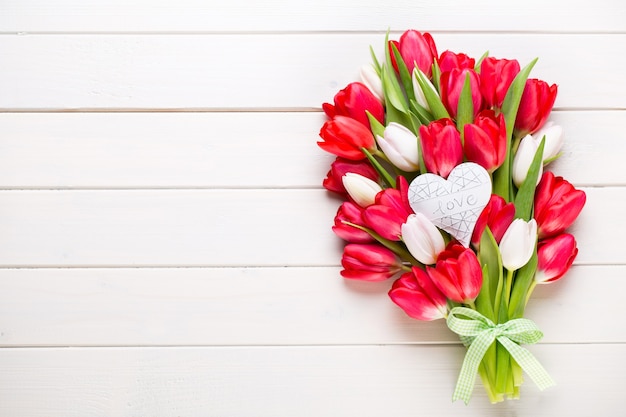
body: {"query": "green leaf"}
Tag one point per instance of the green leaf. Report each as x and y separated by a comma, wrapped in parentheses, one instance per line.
(436, 76)
(465, 108)
(378, 129)
(378, 167)
(405, 76)
(392, 90)
(437, 108)
(502, 176)
(526, 193)
(422, 114)
(377, 66)
(491, 263)
(480, 61)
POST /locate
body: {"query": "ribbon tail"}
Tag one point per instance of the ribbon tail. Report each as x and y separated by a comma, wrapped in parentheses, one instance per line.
(528, 363)
(469, 369)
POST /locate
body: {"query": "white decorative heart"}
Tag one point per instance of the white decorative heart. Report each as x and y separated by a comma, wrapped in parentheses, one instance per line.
(453, 204)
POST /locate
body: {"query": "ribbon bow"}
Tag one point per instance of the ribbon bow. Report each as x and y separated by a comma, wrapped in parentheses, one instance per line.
(480, 333)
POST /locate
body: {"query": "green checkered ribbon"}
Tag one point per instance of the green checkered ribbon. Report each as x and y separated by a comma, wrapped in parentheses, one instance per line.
(479, 333)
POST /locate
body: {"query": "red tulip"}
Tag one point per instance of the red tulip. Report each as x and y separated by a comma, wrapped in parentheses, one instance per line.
(555, 256)
(341, 167)
(449, 61)
(389, 211)
(496, 76)
(353, 101)
(451, 86)
(485, 140)
(417, 50)
(351, 213)
(557, 204)
(441, 146)
(369, 262)
(346, 137)
(498, 215)
(535, 106)
(415, 293)
(459, 278)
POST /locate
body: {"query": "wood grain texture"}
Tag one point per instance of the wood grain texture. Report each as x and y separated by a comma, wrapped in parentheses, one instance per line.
(364, 381)
(267, 71)
(212, 150)
(259, 306)
(324, 15)
(214, 228)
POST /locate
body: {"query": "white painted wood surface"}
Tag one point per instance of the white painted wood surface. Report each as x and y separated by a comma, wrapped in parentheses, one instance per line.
(165, 244)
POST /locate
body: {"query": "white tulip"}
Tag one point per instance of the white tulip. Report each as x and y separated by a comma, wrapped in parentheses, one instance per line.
(518, 243)
(554, 139)
(524, 158)
(417, 89)
(422, 238)
(400, 145)
(362, 190)
(372, 81)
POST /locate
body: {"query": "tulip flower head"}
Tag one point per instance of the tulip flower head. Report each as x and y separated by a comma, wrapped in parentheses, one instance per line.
(400, 146)
(340, 167)
(422, 238)
(485, 140)
(555, 256)
(372, 81)
(496, 76)
(415, 293)
(452, 83)
(389, 211)
(354, 101)
(553, 134)
(346, 137)
(351, 213)
(441, 146)
(557, 204)
(498, 215)
(518, 244)
(361, 189)
(535, 106)
(417, 50)
(523, 160)
(369, 262)
(459, 278)
(450, 60)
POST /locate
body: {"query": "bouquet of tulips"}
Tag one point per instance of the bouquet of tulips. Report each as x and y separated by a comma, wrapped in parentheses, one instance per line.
(440, 160)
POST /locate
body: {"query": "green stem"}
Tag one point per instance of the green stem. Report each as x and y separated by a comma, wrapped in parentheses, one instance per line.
(509, 283)
(382, 171)
(533, 284)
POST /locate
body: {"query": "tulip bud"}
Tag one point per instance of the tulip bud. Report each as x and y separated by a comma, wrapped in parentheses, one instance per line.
(400, 146)
(554, 139)
(485, 140)
(441, 146)
(372, 81)
(354, 101)
(422, 238)
(415, 293)
(452, 83)
(535, 106)
(350, 213)
(523, 160)
(555, 256)
(557, 204)
(496, 76)
(369, 262)
(345, 137)
(340, 167)
(518, 244)
(417, 50)
(361, 189)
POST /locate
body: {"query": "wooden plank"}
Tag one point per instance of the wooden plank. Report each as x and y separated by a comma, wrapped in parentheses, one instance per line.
(258, 306)
(299, 381)
(295, 71)
(323, 15)
(211, 150)
(214, 228)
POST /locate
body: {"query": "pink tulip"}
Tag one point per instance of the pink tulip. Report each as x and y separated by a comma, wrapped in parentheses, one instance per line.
(496, 76)
(389, 211)
(341, 167)
(450, 60)
(535, 106)
(451, 86)
(351, 213)
(369, 262)
(415, 293)
(556, 255)
(353, 101)
(557, 204)
(417, 50)
(459, 278)
(498, 215)
(485, 140)
(345, 137)
(441, 146)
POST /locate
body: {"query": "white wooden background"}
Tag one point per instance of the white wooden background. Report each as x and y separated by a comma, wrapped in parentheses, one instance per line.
(165, 243)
